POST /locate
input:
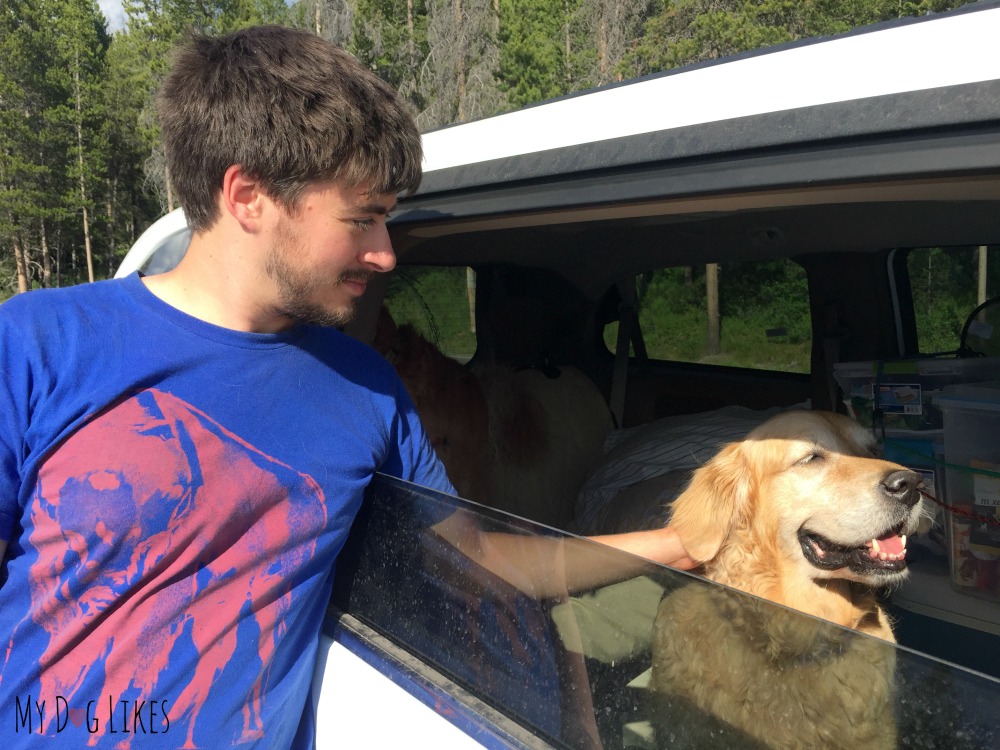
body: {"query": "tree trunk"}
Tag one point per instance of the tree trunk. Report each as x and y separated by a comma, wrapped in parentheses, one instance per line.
(58, 254)
(470, 292)
(170, 190)
(411, 37)
(459, 61)
(567, 42)
(80, 164)
(111, 207)
(46, 258)
(86, 235)
(981, 286)
(21, 262)
(713, 344)
(602, 48)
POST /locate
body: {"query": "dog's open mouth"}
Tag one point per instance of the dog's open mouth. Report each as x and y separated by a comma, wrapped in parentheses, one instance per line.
(886, 553)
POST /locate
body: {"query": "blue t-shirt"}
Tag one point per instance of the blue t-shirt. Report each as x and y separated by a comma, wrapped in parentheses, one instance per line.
(174, 495)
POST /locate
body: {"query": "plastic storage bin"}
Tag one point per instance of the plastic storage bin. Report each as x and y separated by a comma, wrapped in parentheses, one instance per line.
(923, 452)
(972, 485)
(904, 390)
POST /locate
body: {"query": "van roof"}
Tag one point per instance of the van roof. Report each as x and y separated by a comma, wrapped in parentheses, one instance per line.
(907, 75)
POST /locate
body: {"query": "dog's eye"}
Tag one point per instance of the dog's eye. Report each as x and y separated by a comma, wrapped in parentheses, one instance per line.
(810, 458)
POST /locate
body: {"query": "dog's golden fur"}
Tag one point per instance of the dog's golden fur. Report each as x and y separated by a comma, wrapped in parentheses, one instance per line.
(520, 441)
(788, 514)
(447, 396)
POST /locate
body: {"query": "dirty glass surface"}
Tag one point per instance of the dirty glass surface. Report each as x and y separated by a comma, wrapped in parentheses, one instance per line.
(589, 647)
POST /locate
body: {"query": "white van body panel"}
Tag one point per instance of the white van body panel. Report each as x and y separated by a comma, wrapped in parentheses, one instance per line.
(357, 706)
(925, 54)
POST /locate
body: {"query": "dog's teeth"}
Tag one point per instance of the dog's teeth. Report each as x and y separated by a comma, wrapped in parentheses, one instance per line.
(875, 548)
(903, 540)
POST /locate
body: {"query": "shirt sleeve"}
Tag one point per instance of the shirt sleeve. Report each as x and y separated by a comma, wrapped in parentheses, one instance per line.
(14, 387)
(412, 457)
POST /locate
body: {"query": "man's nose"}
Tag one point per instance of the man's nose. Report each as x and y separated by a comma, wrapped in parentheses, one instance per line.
(379, 256)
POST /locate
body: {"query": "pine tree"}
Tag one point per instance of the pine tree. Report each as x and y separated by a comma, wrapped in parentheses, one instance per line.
(390, 37)
(459, 79)
(78, 72)
(536, 50)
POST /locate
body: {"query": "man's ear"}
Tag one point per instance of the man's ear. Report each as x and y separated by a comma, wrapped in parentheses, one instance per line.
(243, 198)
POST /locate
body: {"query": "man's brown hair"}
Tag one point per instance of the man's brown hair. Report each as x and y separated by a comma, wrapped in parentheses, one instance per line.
(290, 108)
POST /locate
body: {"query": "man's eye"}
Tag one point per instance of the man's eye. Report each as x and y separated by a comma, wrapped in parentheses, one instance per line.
(364, 223)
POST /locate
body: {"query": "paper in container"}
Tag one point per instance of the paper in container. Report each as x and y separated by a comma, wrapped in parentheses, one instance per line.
(904, 390)
(972, 450)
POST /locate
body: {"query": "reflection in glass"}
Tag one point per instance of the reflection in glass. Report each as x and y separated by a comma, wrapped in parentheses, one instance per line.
(590, 648)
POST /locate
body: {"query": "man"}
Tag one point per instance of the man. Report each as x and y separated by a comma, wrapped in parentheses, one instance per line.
(182, 455)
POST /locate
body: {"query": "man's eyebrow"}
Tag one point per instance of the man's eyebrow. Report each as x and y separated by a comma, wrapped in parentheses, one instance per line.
(374, 208)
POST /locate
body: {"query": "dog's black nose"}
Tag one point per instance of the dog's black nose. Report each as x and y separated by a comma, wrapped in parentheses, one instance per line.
(902, 486)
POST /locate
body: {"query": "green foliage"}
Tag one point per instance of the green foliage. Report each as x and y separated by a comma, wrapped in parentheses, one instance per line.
(8, 282)
(689, 31)
(944, 286)
(754, 298)
(53, 53)
(436, 302)
(390, 36)
(764, 308)
(773, 294)
(533, 62)
(233, 15)
(77, 129)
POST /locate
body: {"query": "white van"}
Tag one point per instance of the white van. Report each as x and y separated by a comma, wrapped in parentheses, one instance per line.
(836, 176)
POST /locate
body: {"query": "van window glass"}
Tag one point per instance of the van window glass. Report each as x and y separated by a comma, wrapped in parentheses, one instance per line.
(573, 664)
(948, 283)
(440, 302)
(741, 314)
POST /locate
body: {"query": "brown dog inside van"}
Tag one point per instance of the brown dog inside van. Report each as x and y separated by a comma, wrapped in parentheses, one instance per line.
(801, 513)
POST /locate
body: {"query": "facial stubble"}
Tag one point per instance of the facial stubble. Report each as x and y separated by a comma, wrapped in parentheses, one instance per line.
(297, 288)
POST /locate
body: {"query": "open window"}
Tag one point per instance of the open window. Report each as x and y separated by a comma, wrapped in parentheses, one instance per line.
(950, 287)
(440, 302)
(752, 314)
(573, 664)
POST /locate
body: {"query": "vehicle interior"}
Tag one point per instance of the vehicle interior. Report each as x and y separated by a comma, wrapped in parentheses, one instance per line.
(573, 286)
(851, 242)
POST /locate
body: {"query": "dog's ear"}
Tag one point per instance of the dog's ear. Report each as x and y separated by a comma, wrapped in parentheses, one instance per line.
(715, 501)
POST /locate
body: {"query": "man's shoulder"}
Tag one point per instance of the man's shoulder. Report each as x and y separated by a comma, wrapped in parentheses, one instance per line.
(45, 326)
(347, 354)
(53, 301)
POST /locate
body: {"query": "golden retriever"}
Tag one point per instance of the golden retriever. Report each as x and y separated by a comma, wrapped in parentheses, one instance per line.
(520, 441)
(801, 513)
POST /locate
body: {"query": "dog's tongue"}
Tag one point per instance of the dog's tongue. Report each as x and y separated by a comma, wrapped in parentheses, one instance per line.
(891, 544)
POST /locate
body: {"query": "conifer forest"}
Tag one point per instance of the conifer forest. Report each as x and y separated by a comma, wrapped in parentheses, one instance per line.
(81, 170)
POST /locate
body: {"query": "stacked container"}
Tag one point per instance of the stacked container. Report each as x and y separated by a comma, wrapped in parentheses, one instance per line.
(972, 485)
(900, 394)
(900, 400)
